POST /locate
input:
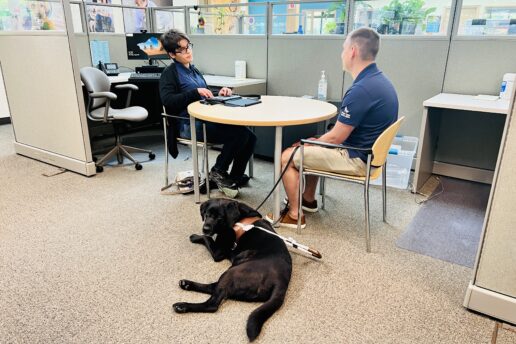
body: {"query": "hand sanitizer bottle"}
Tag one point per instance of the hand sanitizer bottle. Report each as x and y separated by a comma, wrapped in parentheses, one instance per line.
(323, 87)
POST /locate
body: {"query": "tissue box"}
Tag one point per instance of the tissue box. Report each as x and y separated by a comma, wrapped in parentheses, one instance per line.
(399, 162)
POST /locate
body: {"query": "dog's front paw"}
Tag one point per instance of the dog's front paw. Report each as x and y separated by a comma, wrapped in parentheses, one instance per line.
(180, 307)
(196, 238)
(184, 284)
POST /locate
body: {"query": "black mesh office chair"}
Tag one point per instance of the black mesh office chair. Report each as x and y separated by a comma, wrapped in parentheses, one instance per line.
(98, 109)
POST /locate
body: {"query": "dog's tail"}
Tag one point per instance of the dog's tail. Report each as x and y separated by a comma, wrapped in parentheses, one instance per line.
(258, 317)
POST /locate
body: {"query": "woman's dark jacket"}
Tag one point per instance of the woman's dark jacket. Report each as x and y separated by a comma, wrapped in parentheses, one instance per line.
(175, 102)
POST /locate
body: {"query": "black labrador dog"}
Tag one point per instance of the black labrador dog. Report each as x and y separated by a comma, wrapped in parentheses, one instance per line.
(261, 263)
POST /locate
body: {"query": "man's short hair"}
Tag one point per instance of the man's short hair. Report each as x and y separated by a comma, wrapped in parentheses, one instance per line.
(170, 40)
(368, 42)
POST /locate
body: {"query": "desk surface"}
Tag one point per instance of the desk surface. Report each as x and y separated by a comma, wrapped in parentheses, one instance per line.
(273, 111)
(212, 80)
(467, 102)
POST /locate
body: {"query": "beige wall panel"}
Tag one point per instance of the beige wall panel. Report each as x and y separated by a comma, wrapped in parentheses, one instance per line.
(217, 54)
(497, 265)
(83, 50)
(42, 96)
(295, 65)
(477, 66)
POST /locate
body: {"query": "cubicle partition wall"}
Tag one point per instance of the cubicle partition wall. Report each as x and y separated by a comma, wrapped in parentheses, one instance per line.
(45, 98)
(217, 54)
(492, 290)
(295, 63)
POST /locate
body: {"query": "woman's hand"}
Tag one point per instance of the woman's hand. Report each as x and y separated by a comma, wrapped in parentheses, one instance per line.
(225, 91)
(204, 92)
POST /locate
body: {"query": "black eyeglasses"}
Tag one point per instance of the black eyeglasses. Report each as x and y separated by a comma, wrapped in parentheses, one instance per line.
(182, 50)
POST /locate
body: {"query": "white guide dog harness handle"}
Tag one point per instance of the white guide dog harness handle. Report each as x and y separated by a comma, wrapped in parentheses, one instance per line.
(289, 241)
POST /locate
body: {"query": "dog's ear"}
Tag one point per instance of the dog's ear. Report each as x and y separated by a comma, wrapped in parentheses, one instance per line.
(247, 211)
(203, 208)
(232, 213)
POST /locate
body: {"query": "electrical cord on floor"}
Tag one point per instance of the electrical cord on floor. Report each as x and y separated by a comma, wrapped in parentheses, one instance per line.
(430, 196)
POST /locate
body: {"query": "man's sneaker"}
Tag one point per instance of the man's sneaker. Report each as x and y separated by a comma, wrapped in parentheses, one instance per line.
(286, 220)
(310, 207)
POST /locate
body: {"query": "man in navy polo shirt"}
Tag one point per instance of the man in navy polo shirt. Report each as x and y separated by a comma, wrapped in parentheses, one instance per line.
(369, 106)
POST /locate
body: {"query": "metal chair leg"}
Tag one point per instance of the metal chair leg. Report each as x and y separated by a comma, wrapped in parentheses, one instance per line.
(300, 190)
(250, 167)
(205, 160)
(384, 191)
(366, 204)
(322, 191)
(166, 152)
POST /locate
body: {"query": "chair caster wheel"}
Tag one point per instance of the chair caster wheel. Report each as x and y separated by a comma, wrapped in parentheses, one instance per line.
(152, 156)
(99, 169)
(138, 166)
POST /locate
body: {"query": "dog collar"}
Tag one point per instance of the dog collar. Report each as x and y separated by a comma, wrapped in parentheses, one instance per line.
(245, 228)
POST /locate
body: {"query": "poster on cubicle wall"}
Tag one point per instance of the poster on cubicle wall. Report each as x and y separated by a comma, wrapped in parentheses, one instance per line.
(135, 20)
(100, 18)
(23, 15)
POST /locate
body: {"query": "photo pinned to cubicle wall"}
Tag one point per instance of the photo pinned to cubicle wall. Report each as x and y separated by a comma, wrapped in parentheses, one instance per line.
(19, 15)
(100, 18)
(135, 20)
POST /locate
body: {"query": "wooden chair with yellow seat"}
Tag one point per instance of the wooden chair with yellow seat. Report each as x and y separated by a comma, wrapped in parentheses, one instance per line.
(376, 165)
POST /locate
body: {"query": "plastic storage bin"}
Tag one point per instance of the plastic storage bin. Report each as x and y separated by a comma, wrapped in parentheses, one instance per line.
(399, 162)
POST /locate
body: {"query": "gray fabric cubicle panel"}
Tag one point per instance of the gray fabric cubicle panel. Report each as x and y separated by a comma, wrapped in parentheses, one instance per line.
(83, 50)
(476, 66)
(295, 65)
(496, 269)
(416, 68)
(217, 54)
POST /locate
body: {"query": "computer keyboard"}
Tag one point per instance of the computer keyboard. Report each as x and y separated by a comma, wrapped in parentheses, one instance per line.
(151, 76)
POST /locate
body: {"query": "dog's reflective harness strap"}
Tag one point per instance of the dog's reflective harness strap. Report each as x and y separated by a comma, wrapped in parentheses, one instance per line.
(289, 241)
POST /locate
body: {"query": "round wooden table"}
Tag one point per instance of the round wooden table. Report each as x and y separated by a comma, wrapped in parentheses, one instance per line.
(273, 111)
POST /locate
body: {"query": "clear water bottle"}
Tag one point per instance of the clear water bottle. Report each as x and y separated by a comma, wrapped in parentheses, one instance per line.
(323, 87)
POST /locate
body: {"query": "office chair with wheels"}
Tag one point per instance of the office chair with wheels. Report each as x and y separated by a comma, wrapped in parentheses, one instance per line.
(376, 165)
(98, 109)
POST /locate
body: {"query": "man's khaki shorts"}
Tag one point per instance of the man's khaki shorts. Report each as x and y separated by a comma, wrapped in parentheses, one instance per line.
(331, 160)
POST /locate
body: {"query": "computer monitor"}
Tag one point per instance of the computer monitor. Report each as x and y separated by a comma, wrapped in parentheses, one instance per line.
(145, 46)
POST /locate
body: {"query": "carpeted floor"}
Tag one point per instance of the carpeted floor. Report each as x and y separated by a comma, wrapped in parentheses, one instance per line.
(98, 260)
(448, 227)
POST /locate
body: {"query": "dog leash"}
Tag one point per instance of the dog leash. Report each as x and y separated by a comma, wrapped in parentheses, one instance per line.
(289, 241)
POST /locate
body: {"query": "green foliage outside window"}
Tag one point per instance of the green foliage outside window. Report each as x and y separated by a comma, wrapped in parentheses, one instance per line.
(403, 17)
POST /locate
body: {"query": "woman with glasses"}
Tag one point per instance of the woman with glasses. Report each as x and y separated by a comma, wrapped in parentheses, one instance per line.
(182, 84)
